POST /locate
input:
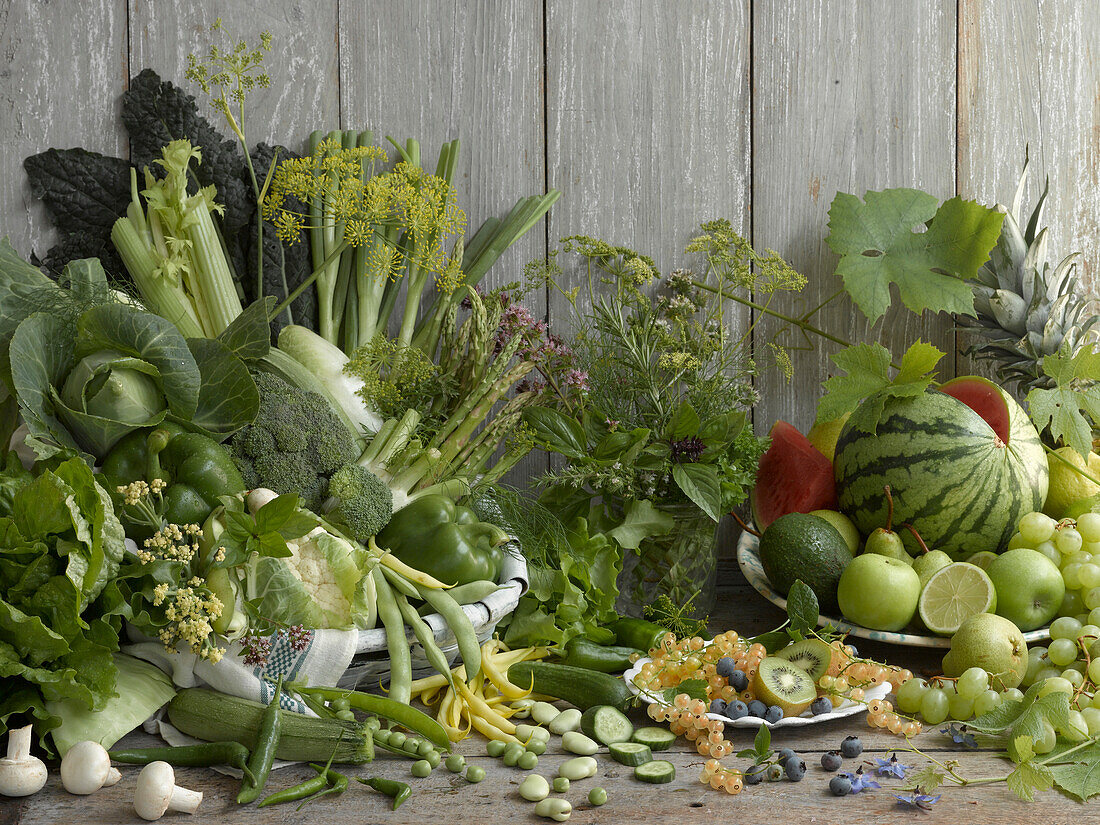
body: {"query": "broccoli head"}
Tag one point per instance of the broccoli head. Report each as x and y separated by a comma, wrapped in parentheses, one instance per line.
(359, 500)
(294, 444)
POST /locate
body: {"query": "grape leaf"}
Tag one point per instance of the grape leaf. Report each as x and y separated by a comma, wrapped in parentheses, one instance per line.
(926, 780)
(1029, 777)
(1080, 780)
(878, 247)
(695, 688)
(802, 607)
(1076, 393)
(868, 378)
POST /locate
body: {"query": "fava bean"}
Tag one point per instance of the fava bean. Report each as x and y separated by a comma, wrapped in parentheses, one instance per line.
(495, 748)
(527, 761)
(512, 752)
(597, 796)
(522, 708)
(455, 763)
(536, 747)
(560, 784)
(580, 767)
(566, 721)
(554, 808)
(576, 742)
(475, 773)
(530, 733)
(544, 713)
(421, 768)
(534, 788)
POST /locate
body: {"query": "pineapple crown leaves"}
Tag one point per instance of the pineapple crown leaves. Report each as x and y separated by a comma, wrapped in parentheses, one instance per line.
(1075, 394)
(878, 246)
(868, 380)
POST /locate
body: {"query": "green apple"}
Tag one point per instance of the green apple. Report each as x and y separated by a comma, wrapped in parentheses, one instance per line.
(928, 563)
(1029, 587)
(992, 643)
(843, 525)
(879, 592)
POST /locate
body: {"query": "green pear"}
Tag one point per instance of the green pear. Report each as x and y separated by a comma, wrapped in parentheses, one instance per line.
(883, 542)
(928, 563)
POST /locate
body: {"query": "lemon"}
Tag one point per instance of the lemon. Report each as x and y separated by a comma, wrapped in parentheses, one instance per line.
(824, 435)
(953, 595)
(1067, 485)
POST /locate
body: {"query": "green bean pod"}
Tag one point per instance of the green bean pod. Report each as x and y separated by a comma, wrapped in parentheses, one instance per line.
(263, 755)
(396, 642)
(468, 646)
(426, 637)
(233, 754)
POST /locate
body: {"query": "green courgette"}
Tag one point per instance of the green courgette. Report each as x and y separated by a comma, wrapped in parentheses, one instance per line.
(579, 687)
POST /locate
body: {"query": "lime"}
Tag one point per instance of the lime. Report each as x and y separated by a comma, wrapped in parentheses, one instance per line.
(1067, 485)
(953, 595)
(982, 559)
(825, 434)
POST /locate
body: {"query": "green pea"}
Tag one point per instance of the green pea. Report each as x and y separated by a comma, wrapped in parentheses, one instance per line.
(339, 704)
(372, 724)
(597, 796)
(560, 784)
(424, 747)
(536, 747)
(345, 715)
(512, 752)
(421, 768)
(455, 763)
(475, 773)
(397, 739)
(433, 758)
(527, 761)
(383, 737)
(495, 748)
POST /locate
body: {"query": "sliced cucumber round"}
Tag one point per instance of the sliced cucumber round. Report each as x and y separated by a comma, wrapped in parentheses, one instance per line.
(657, 739)
(606, 724)
(630, 754)
(657, 772)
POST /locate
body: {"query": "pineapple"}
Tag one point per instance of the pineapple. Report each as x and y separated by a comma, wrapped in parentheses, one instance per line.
(1025, 308)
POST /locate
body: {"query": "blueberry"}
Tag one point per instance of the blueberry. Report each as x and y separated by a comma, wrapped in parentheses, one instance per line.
(831, 760)
(725, 667)
(840, 785)
(851, 747)
(820, 705)
(775, 773)
(754, 775)
(795, 768)
(784, 755)
(854, 653)
(757, 708)
(739, 680)
(737, 709)
(773, 714)
(718, 706)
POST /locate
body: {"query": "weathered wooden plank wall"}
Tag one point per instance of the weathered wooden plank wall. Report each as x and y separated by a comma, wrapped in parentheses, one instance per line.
(649, 116)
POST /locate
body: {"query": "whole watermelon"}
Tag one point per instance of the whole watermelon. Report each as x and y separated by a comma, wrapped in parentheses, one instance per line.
(963, 487)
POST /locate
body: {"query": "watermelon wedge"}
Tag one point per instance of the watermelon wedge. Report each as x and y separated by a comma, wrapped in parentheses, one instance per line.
(793, 477)
(985, 398)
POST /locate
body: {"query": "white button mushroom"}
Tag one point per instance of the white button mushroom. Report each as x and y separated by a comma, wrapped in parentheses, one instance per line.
(157, 792)
(20, 773)
(86, 768)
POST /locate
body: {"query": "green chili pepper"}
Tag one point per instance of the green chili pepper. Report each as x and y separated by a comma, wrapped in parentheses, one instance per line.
(337, 783)
(233, 754)
(584, 653)
(267, 742)
(397, 791)
(637, 633)
(303, 790)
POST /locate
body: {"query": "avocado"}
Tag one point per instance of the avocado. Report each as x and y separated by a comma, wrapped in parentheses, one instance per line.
(798, 546)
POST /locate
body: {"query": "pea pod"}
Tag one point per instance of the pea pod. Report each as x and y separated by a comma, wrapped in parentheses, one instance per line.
(384, 706)
(397, 791)
(233, 754)
(267, 742)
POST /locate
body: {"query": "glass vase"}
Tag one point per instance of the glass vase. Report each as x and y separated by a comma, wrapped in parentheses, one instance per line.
(681, 564)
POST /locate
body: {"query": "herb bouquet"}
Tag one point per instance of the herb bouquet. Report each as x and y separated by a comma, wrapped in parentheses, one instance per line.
(655, 442)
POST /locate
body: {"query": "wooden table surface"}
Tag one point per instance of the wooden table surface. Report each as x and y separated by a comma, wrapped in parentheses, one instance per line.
(446, 797)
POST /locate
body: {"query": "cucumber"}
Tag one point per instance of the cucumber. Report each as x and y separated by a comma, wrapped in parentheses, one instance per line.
(630, 754)
(606, 725)
(579, 687)
(657, 739)
(657, 772)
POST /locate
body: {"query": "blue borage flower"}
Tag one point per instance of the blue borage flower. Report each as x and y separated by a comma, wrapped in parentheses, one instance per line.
(890, 767)
(916, 799)
(859, 781)
(959, 735)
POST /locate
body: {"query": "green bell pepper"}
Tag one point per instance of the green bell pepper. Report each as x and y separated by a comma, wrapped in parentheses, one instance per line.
(196, 470)
(444, 540)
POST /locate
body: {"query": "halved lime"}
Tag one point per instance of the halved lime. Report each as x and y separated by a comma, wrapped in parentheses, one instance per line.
(953, 595)
(982, 559)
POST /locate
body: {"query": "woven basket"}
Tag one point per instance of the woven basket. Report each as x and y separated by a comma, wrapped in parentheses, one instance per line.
(371, 665)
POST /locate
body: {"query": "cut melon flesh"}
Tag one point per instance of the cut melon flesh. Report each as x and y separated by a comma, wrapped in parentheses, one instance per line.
(793, 477)
(983, 397)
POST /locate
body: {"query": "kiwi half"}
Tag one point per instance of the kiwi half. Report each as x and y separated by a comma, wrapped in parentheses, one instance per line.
(782, 683)
(812, 655)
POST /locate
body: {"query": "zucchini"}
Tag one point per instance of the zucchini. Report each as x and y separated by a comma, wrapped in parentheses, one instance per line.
(656, 739)
(579, 687)
(212, 716)
(606, 725)
(657, 772)
(630, 754)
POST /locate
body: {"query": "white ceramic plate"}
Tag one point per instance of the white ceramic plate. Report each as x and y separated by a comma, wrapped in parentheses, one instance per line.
(849, 708)
(748, 557)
